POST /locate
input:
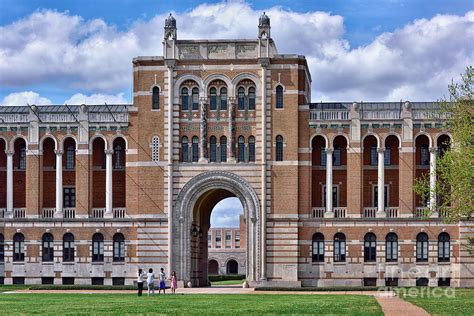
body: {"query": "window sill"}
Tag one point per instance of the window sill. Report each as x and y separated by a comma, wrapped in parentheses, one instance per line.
(155, 110)
(118, 263)
(47, 263)
(98, 263)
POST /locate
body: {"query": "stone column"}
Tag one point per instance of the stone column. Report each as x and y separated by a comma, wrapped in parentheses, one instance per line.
(433, 209)
(329, 211)
(231, 140)
(59, 184)
(108, 184)
(9, 154)
(203, 130)
(380, 183)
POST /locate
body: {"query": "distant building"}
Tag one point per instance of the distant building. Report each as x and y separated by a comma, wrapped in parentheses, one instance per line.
(227, 248)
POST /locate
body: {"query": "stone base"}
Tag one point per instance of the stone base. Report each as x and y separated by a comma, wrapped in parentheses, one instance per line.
(265, 283)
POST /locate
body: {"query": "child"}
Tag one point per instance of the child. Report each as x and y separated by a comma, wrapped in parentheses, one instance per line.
(162, 281)
(140, 281)
(150, 281)
(174, 282)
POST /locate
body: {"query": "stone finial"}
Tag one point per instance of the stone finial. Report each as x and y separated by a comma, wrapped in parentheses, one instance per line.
(407, 106)
(264, 20)
(170, 22)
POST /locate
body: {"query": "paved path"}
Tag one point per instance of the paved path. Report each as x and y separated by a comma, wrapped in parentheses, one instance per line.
(395, 306)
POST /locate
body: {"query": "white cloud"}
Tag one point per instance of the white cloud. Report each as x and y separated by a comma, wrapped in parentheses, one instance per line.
(414, 62)
(80, 98)
(226, 213)
(24, 98)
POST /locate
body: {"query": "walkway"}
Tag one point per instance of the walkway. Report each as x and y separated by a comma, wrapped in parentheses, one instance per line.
(395, 306)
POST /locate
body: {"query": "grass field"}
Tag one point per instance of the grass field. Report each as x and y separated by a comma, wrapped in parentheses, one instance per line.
(441, 301)
(205, 304)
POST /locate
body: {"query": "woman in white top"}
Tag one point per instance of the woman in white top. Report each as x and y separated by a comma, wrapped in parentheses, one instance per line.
(150, 280)
(140, 281)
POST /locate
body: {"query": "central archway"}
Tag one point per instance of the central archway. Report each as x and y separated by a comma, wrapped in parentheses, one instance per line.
(191, 218)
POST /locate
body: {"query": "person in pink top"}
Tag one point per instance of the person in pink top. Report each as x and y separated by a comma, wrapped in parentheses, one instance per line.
(174, 282)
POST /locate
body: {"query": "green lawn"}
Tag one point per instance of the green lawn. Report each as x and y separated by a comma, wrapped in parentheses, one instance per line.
(222, 304)
(227, 282)
(441, 301)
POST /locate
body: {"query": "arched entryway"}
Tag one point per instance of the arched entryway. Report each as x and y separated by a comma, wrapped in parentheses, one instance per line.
(191, 223)
(232, 267)
(213, 267)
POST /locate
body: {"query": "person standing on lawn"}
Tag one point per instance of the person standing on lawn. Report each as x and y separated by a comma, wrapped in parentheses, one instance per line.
(162, 281)
(151, 282)
(140, 281)
(174, 282)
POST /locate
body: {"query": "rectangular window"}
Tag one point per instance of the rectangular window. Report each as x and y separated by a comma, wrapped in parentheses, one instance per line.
(218, 239)
(339, 251)
(98, 251)
(318, 251)
(69, 197)
(444, 282)
(422, 282)
(70, 159)
(370, 281)
(22, 161)
(391, 282)
(213, 148)
(118, 281)
(18, 280)
(68, 281)
(97, 281)
(47, 280)
(425, 156)
(19, 251)
(209, 240)
(336, 157)
(323, 157)
(373, 156)
(335, 196)
(387, 156)
(237, 239)
(375, 199)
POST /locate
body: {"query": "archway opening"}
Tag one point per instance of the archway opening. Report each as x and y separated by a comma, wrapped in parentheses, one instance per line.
(218, 232)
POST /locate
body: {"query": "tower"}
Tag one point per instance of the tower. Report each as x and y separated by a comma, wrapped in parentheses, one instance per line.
(264, 36)
(170, 35)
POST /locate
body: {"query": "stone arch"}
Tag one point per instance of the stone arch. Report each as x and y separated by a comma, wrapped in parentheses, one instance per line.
(15, 138)
(182, 79)
(156, 85)
(91, 141)
(430, 139)
(184, 207)
(116, 136)
(445, 133)
(62, 140)
(249, 76)
(209, 79)
(377, 137)
(44, 138)
(337, 135)
(392, 134)
(229, 266)
(318, 134)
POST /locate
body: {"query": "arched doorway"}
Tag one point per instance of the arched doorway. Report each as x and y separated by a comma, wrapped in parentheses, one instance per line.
(213, 267)
(191, 223)
(232, 267)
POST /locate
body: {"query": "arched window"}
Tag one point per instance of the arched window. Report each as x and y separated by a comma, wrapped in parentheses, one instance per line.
(18, 247)
(223, 148)
(251, 98)
(374, 157)
(155, 149)
(195, 149)
(339, 247)
(97, 248)
(48, 248)
(279, 97)
(444, 247)
(118, 153)
(184, 99)
(184, 149)
(318, 247)
(68, 247)
(195, 93)
(22, 156)
(224, 98)
(370, 247)
(336, 156)
(391, 247)
(424, 155)
(422, 247)
(119, 248)
(241, 99)
(241, 149)
(70, 155)
(279, 148)
(252, 149)
(387, 156)
(213, 98)
(156, 98)
(2, 248)
(213, 149)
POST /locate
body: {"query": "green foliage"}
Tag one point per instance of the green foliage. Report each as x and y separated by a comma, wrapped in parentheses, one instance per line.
(454, 187)
(225, 277)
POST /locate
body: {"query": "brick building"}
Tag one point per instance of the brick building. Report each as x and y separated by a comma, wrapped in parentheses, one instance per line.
(88, 194)
(226, 249)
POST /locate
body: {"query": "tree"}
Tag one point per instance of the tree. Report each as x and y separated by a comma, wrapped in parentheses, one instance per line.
(454, 186)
